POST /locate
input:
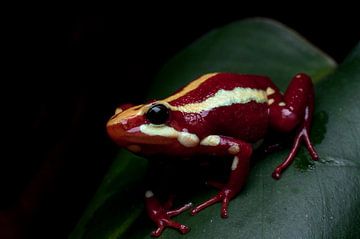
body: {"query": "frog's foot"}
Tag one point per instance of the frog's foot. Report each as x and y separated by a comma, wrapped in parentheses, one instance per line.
(286, 112)
(161, 215)
(239, 171)
(303, 135)
(224, 196)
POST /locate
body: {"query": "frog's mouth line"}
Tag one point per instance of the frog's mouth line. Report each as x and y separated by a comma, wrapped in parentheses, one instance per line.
(125, 138)
(148, 140)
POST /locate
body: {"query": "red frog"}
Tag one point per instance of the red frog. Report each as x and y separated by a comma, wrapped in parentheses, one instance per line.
(218, 114)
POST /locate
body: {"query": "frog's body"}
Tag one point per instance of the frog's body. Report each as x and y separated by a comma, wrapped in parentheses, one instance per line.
(219, 114)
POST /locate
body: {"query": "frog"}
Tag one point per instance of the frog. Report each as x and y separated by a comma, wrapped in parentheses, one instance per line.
(220, 114)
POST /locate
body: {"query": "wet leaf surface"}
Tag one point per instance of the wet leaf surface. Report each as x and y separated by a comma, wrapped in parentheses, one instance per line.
(312, 199)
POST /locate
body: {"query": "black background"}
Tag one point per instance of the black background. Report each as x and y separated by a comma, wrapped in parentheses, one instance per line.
(66, 71)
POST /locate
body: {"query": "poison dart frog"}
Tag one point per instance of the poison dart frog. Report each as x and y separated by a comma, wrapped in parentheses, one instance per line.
(218, 114)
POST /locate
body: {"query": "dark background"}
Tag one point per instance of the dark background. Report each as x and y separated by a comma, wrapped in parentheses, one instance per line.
(65, 72)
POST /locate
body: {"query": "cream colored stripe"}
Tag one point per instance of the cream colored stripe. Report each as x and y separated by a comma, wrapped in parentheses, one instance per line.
(184, 138)
(238, 95)
(126, 114)
(225, 98)
(193, 85)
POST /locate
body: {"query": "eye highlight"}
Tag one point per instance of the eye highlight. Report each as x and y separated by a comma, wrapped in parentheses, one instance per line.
(158, 114)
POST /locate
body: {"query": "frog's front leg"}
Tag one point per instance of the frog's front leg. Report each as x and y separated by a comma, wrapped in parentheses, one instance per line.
(241, 152)
(161, 214)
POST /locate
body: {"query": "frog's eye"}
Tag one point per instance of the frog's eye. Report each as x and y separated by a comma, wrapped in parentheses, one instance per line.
(158, 114)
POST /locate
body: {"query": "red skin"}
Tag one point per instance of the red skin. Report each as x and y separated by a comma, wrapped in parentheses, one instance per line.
(238, 124)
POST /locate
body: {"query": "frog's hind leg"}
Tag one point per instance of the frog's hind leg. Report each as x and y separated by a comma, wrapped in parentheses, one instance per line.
(294, 111)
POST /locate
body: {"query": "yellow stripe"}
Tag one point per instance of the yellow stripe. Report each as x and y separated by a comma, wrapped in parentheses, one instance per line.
(193, 85)
(126, 114)
(225, 98)
(238, 95)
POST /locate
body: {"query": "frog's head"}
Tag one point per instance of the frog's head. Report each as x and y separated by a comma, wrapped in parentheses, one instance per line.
(177, 119)
(148, 124)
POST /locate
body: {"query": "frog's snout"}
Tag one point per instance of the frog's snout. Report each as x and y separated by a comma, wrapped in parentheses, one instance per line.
(124, 124)
(115, 129)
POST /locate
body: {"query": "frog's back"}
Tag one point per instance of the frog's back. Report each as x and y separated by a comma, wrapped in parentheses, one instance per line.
(224, 104)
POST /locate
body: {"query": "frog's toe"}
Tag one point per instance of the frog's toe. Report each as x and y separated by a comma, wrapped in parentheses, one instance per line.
(161, 214)
(165, 222)
(224, 196)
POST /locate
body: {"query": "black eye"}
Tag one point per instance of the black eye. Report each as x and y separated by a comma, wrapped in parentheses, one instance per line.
(158, 114)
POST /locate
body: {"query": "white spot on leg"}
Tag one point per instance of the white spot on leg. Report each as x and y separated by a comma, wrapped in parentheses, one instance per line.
(270, 91)
(282, 104)
(211, 140)
(149, 194)
(234, 149)
(235, 163)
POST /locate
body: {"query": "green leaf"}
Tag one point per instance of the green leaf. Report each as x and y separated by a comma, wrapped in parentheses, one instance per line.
(312, 200)
(257, 46)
